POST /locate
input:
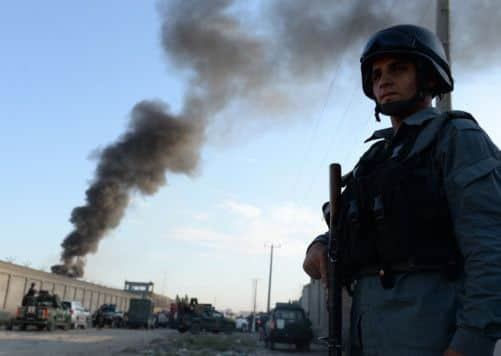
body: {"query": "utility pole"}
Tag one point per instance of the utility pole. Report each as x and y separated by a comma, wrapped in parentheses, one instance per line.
(443, 32)
(269, 278)
(254, 297)
(164, 279)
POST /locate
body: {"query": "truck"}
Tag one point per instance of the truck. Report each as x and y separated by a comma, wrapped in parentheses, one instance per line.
(44, 311)
(140, 314)
(108, 315)
(287, 323)
(196, 317)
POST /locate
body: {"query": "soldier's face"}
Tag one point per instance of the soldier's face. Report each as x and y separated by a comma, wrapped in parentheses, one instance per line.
(393, 79)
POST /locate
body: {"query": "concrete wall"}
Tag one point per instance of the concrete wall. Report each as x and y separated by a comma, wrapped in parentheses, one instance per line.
(314, 302)
(15, 281)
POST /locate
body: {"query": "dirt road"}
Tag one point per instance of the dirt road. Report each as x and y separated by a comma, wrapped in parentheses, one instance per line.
(93, 342)
(124, 342)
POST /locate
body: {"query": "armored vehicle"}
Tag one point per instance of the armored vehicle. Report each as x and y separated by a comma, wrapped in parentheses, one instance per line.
(287, 323)
(43, 311)
(140, 313)
(196, 317)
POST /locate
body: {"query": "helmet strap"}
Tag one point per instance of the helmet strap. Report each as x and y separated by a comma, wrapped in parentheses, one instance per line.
(377, 111)
(399, 107)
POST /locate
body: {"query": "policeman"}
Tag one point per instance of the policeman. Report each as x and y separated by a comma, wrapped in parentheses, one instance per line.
(32, 291)
(28, 298)
(420, 216)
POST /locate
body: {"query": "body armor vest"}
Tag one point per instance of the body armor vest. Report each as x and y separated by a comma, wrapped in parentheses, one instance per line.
(394, 211)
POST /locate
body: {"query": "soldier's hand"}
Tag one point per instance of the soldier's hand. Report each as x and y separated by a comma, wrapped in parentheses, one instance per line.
(315, 262)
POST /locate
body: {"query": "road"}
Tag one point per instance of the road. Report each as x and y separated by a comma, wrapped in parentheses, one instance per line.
(123, 342)
(93, 342)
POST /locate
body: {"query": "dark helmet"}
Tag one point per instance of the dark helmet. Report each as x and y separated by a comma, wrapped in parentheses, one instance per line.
(326, 212)
(409, 40)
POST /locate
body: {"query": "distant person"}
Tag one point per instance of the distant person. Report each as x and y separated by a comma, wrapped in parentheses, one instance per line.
(30, 295)
(32, 291)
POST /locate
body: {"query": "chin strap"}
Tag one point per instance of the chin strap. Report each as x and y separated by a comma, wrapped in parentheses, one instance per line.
(377, 111)
(398, 107)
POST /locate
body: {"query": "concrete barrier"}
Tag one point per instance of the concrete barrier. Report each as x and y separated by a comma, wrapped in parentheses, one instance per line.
(15, 281)
(314, 302)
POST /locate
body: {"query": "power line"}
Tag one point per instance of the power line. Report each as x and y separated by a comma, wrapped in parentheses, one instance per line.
(344, 115)
(321, 115)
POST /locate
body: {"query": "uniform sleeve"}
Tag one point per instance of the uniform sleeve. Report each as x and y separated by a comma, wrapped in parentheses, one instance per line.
(323, 239)
(471, 168)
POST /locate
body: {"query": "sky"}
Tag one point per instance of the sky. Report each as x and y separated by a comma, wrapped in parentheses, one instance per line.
(72, 72)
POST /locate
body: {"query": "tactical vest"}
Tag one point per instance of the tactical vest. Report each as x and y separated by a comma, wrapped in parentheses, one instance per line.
(394, 213)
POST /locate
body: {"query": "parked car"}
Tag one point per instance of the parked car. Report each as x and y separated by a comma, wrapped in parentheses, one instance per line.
(140, 313)
(79, 316)
(162, 319)
(242, 324)
(88, 317)
(108, 315)
(44, 311)
(288, 323)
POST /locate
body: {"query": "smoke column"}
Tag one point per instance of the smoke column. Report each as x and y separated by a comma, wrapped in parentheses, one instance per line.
(238, 58)
(154, 143)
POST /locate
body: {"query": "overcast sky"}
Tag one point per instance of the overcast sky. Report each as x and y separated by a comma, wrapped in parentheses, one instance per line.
(71, 73)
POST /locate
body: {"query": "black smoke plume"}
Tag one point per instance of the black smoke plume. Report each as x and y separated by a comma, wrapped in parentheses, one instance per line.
(260, 61)
(154, 143)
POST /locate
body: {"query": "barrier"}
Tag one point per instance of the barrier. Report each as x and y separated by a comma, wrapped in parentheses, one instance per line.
(15, 281)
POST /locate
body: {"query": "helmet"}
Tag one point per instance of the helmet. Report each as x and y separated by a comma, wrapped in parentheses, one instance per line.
(326, 212)
(410, 40)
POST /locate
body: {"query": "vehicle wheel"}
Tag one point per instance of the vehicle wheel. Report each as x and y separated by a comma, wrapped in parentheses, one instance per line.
(9, 326)
(23, 327)
(272, 345)
(66, 326)
(50, 326)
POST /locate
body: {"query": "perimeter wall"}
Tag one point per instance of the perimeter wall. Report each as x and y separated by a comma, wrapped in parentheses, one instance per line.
(15, 281)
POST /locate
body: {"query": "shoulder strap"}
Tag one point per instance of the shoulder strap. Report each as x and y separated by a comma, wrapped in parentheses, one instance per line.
(368, 156)
(431, 131)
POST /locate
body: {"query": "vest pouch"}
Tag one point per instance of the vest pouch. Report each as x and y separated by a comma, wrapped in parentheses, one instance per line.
(393, 240)
(417, 226)
(358, 244)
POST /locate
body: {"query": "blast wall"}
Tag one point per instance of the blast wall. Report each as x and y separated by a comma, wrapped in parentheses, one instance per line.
(314, 302)
(15, 281)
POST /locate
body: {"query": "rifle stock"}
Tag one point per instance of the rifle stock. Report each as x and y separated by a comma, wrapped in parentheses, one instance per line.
(334, 285)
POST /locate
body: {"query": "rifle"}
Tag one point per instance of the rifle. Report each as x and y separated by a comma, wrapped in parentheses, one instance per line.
(334, 275)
